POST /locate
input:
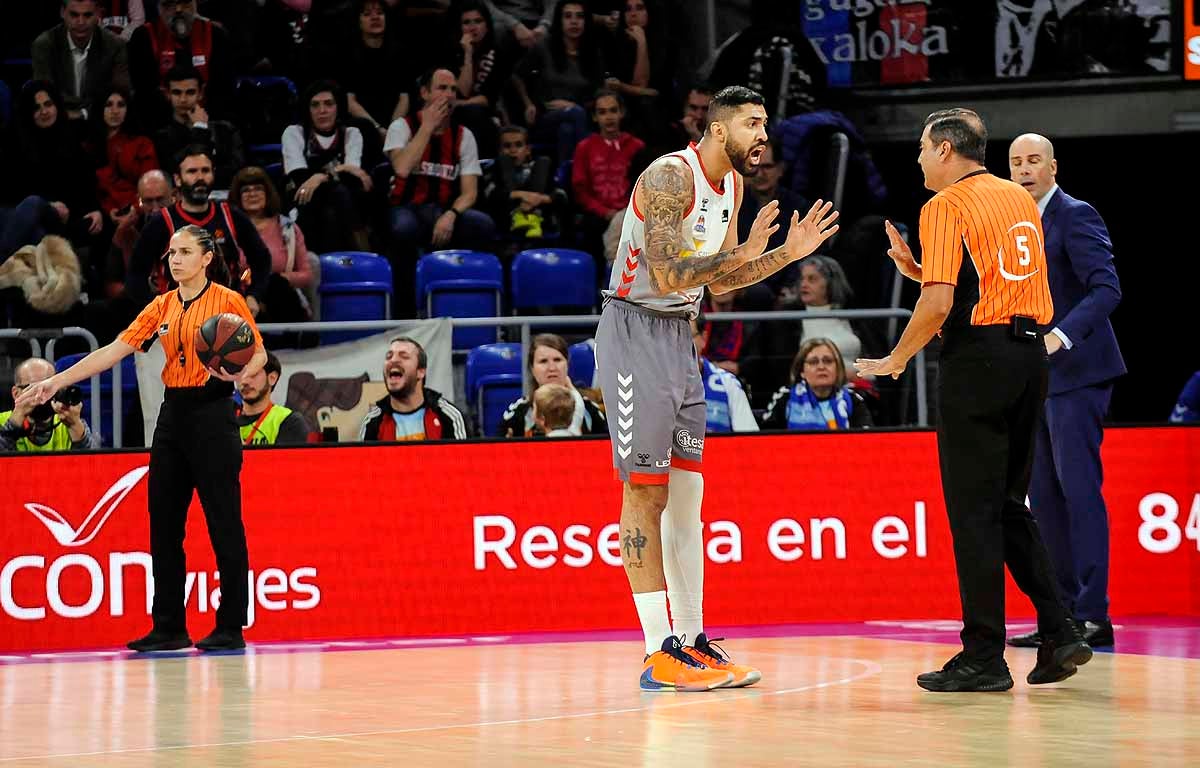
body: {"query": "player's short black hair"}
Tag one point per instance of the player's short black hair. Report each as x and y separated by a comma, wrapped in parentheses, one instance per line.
(963, 128)
(727, 100)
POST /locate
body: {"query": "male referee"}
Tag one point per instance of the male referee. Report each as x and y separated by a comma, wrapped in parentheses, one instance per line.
(984, 285)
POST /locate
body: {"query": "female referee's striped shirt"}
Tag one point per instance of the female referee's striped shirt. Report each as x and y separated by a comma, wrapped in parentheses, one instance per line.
(175, 322)
(983, 235)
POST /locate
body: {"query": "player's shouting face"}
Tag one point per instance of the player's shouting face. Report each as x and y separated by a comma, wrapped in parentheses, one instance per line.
(746, 137)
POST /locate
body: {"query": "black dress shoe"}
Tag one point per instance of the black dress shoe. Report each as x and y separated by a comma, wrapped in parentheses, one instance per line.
(1060, 658)
(961, 674)
(159, 640)
(1031, 640)
(1098, 635)
(222, 640)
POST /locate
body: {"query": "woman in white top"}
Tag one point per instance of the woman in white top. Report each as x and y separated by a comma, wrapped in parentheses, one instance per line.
(823, 286)
(322, 159)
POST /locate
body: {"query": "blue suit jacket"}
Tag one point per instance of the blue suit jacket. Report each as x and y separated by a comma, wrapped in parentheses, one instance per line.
(1085, 289)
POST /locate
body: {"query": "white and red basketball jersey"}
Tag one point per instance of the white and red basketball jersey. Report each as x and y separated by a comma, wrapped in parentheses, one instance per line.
(704, 227)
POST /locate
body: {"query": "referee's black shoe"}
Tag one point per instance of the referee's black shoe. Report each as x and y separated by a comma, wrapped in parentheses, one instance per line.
(962, 674)
(222, 640)
(160, 640)
(1060, 658)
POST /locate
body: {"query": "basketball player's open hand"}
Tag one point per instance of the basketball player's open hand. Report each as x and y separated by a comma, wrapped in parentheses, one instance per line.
(887, 366)
(900, 253)
(764, 226)
(806, 235)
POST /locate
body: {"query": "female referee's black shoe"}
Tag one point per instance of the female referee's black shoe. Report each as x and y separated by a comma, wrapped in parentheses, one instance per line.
(160, 640)
(222, 640)
(962, 675)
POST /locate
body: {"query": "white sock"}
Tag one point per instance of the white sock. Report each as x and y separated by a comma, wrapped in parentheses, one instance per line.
(652, 610)
(683, 552)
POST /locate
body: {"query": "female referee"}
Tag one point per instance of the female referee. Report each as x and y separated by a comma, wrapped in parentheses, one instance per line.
(196, 444)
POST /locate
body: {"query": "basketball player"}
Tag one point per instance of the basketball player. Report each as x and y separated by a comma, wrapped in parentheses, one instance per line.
(196, 442)
(679, 237)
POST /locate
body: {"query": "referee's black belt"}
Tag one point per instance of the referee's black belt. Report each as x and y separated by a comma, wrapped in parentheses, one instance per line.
(212, 391)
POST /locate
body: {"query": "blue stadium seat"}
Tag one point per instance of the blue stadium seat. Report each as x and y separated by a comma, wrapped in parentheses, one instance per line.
(355, 285)
(455, 283)
(275, 171)
(581, 363)
(561, 278)
(493, 381)
(128, 395)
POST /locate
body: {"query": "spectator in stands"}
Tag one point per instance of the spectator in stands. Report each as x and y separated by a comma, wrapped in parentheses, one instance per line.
(521, 188)
(262, 422)
(641, 64)
(554, 410)
(25, 223)
(760, 189)
(818, 397)
(52, 426)
(568, 67)
(247, 259)
(82, 60)
(823, 286)
(600, 172)
(322, 157)
(180, 36)
(42, 158)
(436, 186)
(548, 359)
(154, 192)
(190, 124)
(285, 300)
(122, 17)
(527, 21)
(1187, 408)
(720, 341)
(484, 66)
(727, 409)
(411, 411)
(122, 156)
(376, 76)
(688, 129)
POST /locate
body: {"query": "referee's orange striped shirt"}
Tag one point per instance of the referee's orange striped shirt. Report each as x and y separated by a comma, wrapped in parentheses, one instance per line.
(174, 323)
(997, 226)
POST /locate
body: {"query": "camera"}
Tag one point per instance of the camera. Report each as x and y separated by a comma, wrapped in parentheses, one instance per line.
(70, 395)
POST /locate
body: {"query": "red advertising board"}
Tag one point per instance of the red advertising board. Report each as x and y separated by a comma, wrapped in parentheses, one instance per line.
(425, 540)
(1191, 39)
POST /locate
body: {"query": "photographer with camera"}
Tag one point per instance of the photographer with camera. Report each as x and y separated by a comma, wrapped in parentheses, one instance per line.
(56, 425)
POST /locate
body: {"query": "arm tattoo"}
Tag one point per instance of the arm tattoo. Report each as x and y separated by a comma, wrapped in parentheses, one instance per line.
(748, 274)
(668, 193)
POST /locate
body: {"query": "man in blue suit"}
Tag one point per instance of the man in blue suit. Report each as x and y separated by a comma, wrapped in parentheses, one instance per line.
(1084, 360)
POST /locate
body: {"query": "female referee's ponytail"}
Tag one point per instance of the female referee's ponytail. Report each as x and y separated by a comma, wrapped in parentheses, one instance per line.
(218, 270)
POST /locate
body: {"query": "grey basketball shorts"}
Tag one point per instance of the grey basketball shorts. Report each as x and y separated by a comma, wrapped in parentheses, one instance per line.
(653, 393)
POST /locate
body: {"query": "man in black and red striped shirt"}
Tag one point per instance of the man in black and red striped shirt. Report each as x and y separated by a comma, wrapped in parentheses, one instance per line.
(436, 185)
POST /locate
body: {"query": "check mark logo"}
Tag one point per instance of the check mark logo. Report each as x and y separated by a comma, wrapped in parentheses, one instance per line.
(69, 536)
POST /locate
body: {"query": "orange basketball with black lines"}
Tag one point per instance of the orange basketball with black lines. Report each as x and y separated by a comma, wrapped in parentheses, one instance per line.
(225, 341)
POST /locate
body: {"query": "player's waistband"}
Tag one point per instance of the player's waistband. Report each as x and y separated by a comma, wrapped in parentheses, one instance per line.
(677, 314)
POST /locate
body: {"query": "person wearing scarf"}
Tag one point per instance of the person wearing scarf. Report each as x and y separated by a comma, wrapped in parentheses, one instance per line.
(818, 397)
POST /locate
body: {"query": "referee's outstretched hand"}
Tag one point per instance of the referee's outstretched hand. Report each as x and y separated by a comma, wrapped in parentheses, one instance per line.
(886, 366)
(35, 394)
(901, 254)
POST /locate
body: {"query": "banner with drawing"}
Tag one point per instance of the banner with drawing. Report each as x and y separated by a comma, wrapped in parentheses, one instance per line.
(332, 386)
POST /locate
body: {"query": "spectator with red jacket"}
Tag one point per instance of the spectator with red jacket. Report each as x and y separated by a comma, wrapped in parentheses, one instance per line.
(411, 411)
(600, 173)
(122, 156)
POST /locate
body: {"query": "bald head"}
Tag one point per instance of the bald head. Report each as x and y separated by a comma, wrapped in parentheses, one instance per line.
(1031, 164)
(154, 191)
(32, 371)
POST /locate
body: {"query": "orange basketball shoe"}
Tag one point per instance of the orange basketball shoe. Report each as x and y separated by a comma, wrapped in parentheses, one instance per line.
(714, 658)
(673, 669)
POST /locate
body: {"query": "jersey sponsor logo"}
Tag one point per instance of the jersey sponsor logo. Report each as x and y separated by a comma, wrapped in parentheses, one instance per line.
(699, 228)
(1024, 254)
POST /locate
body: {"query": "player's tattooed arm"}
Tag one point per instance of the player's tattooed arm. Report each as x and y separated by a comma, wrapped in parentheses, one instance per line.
(667, 193)
(804, 236)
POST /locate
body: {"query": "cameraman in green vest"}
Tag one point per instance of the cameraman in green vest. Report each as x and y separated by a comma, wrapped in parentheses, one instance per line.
(261, 421)
(56, 425)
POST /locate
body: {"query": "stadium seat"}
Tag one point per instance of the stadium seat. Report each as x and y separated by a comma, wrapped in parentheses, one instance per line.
(581, 363)
(355, 285)
(128, 395)
(456, 283)
(493, 380)
(554, 279)
(275, 171)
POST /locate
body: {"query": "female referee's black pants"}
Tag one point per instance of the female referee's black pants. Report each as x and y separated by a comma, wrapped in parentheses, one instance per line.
(196, 447)
(992, 387)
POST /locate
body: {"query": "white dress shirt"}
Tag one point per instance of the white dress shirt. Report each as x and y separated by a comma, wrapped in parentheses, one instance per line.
(1041, 204)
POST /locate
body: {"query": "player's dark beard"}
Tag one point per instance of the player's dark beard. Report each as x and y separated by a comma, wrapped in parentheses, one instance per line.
(739, 157)
(195, 194)
(404, 390)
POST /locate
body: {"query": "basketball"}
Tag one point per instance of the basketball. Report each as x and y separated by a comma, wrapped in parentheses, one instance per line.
(225, 341)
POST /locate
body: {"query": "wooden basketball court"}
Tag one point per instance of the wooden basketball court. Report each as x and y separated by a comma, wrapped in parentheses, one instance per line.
(824, 700)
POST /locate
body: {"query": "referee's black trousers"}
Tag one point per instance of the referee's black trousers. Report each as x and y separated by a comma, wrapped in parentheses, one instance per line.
(196, 447)
(992, 387)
